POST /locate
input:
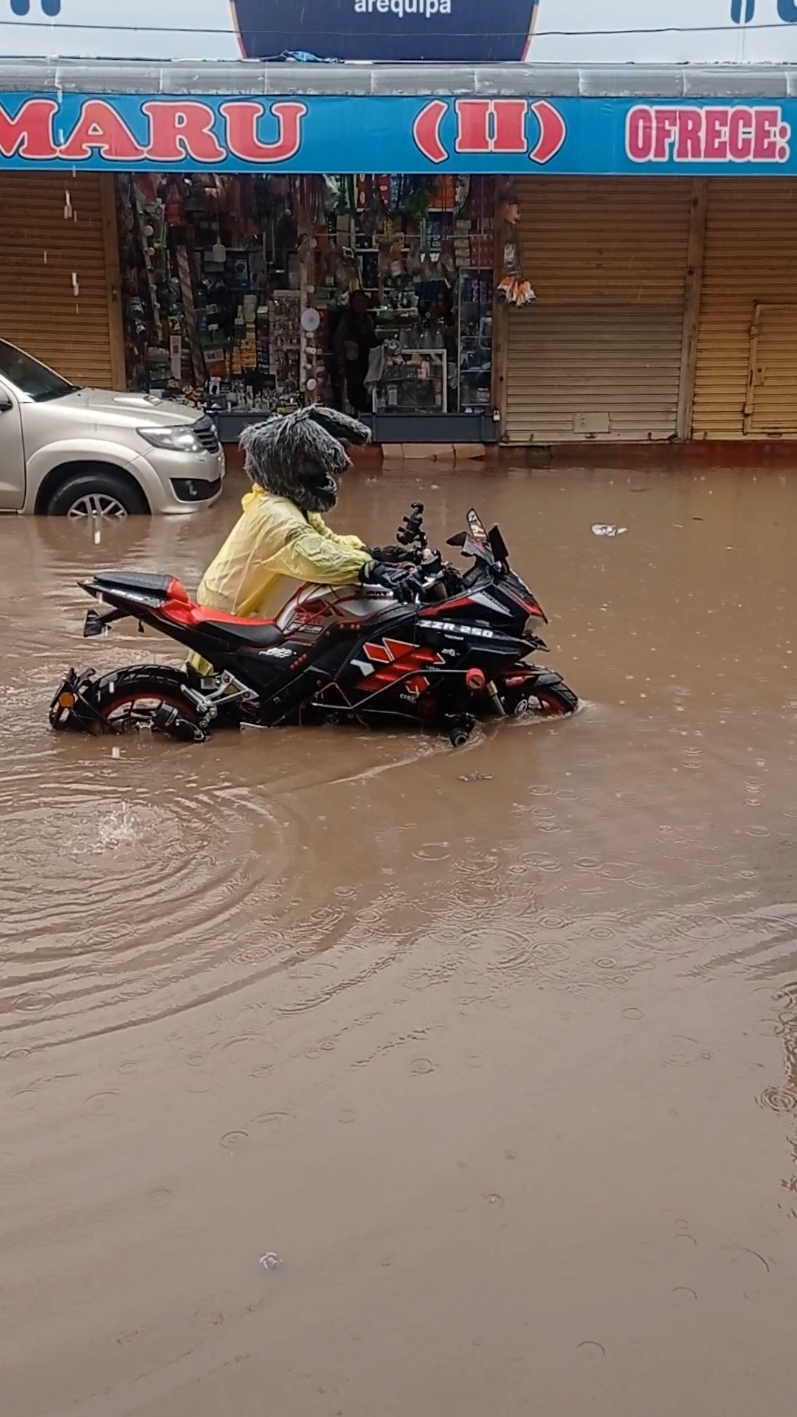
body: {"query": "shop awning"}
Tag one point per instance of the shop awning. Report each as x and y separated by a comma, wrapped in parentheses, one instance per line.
(251, 77)
(247, 116)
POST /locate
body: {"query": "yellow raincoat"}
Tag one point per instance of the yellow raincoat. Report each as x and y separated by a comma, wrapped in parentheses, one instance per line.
(272, 549)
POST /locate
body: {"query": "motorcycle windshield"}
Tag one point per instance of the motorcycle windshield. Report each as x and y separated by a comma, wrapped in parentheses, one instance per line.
(480, 550)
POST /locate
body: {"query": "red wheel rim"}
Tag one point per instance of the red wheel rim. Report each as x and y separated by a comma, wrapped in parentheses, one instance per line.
(154, 702)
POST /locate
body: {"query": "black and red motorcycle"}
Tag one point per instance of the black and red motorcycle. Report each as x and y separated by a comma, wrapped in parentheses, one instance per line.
(355, 654)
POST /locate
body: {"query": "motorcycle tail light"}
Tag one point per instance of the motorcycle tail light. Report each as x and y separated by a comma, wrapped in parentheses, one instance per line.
(177, 591)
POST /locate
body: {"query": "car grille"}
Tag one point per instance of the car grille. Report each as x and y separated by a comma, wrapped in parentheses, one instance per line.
(205, 430)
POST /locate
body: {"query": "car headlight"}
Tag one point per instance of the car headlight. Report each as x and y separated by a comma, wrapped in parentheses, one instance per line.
(181, 439)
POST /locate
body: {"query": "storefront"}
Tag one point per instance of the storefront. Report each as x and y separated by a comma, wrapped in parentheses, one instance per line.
(253, 293)
(547, 270)
(248, 293)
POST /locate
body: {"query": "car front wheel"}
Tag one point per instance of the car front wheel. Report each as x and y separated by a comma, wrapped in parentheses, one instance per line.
(96, 494)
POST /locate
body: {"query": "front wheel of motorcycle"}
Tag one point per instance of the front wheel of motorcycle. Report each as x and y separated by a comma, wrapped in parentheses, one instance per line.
(146, 697)
(543, 700)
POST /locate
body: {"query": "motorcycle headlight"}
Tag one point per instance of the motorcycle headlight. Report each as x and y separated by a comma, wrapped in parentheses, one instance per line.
(181, 439)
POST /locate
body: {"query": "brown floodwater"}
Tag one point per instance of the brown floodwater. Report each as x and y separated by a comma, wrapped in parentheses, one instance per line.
(495, 1050)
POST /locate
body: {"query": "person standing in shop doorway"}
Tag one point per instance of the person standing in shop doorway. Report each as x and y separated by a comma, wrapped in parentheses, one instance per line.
(437, 318)
(354, 338)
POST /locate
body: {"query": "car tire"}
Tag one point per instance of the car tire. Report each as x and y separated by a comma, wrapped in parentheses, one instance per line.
(96, 493)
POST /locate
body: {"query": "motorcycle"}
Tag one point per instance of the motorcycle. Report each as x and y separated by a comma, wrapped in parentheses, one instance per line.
(352, 654)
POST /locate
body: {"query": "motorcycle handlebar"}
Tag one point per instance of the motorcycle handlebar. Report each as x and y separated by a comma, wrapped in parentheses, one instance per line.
(428, 584)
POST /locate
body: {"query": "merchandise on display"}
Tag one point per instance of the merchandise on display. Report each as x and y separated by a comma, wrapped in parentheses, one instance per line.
(237, 290)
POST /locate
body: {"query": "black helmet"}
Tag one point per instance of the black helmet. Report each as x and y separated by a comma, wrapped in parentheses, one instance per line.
(299, 455)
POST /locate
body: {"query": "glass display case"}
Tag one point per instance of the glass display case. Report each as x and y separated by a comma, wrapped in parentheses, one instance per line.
(413, 380)
(475, 339)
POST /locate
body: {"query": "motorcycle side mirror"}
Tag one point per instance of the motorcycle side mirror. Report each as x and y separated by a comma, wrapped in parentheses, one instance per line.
(498, 546)
(458, 540)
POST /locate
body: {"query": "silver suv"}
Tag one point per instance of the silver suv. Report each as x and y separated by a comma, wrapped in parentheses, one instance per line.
(71, 452)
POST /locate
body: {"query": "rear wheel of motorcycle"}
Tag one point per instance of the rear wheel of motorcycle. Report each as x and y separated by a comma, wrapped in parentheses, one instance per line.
(545, 701)
(135, 697)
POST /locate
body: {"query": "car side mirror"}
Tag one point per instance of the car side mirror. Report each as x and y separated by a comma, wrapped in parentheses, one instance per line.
(6, 402)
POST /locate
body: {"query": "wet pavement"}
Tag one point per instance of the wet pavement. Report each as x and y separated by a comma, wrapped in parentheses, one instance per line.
(495, 1050)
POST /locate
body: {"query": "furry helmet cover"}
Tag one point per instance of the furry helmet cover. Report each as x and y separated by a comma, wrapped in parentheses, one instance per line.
(299, 455)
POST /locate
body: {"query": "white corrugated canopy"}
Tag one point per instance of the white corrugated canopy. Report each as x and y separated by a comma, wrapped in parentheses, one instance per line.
(253, 76)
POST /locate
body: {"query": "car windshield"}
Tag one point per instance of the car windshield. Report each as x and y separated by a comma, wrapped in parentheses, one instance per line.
(29, 376)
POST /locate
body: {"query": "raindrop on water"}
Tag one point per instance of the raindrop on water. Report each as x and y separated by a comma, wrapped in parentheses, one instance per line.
(592, 1351)
(778, 1099)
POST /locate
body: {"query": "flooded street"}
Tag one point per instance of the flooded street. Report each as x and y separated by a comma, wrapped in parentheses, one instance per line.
(495, 1050)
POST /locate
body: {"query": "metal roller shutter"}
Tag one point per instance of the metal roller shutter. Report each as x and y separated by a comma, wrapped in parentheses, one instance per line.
(771, 405)
(598, 357)
(745, 384)
(56, 259)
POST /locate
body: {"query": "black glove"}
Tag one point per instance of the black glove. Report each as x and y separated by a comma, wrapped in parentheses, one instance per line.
(404, 582)
(390, 554)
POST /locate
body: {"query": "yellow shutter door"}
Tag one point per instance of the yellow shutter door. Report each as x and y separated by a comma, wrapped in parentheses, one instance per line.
(748, 267)
(57, 262)
(771, 407)
(598, 356)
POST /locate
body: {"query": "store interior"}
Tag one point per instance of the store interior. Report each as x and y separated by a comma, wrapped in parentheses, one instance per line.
(253, 294)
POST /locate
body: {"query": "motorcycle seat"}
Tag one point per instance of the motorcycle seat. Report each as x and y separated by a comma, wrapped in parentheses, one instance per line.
(260, 634)
(142, 581)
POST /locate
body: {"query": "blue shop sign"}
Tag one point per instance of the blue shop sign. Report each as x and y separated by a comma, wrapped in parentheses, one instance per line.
(582, 136)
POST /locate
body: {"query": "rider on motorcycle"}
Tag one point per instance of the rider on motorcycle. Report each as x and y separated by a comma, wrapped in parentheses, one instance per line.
(292, 462)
